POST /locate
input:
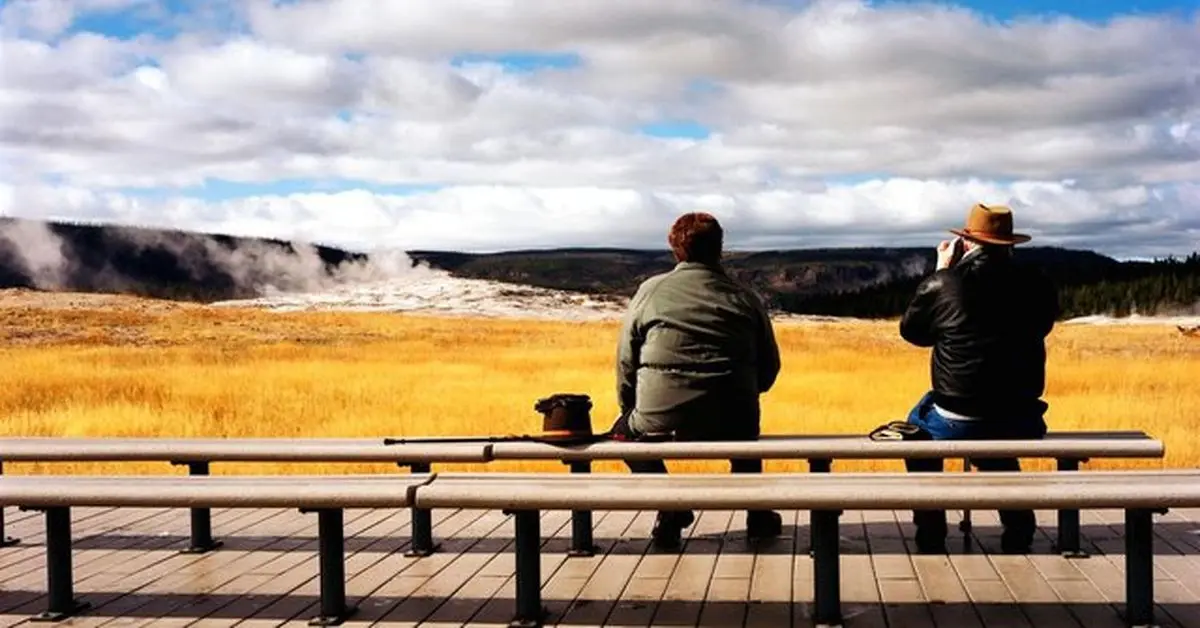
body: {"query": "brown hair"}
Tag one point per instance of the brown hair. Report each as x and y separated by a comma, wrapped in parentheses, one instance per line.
(696, 237)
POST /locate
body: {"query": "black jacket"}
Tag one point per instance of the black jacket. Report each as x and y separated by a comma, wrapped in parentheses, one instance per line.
(986, 318)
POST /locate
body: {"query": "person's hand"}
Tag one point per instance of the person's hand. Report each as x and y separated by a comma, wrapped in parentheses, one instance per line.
(945, 254)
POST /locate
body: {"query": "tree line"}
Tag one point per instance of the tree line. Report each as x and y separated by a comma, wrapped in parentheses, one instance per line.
(1161, 287)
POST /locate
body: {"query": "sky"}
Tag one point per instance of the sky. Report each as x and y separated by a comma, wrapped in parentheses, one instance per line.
(502, 124)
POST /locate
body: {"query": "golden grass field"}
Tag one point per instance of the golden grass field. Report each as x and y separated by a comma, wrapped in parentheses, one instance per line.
(170, 370)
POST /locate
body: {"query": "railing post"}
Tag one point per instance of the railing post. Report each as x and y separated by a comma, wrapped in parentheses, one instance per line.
(59, 577)
(827, 578)
(201, 535)
(331, 559)
(1139, 567)
(530, 612)
(582, 542)
(1068, 543)
(422, 522)
(5, 541)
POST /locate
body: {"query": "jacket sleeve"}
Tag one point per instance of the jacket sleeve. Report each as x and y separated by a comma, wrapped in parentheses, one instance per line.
(768, 348)
(629, 345)
(919, 322)
(1053, 306)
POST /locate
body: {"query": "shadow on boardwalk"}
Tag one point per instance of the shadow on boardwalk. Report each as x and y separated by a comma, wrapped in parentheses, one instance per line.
(853, 540)
(579, 612)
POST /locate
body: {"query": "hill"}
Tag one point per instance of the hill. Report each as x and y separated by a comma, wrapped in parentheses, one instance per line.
(166, 264)
(861, 282)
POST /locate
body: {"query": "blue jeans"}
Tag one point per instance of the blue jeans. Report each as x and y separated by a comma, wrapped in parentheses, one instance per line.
(1019, 525)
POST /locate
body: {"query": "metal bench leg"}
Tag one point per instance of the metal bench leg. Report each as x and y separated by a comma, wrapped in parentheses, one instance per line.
(965, 525)
(582, 543)
(202, 539)
(530, 612)
(332, 546)
(422, 522)
(816, 465)
(59, 579)
(5, 541)
(1068, 520)
(1139, 567)
(827, 579)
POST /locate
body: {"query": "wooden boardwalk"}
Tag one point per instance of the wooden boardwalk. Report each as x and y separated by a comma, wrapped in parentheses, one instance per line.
(128, 566)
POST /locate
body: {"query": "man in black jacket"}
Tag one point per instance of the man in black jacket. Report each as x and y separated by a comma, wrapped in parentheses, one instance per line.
(986, 319)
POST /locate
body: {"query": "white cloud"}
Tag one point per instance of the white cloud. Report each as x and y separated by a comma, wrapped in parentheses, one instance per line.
(1128, 221)
(934, 107)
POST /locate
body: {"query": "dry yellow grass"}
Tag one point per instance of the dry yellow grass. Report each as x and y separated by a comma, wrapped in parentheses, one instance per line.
(191, 371)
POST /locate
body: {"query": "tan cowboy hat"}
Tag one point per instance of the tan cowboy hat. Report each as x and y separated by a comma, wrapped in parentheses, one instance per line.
(991, 225)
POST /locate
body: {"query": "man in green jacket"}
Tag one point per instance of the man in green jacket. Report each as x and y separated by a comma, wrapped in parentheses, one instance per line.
(696, 350)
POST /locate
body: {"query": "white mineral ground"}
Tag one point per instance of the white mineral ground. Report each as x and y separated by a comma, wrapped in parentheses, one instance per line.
(438, 293)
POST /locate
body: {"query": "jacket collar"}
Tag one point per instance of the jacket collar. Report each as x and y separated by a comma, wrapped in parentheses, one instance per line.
(716, 268)
(982, 256)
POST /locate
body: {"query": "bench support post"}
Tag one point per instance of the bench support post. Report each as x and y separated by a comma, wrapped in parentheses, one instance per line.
(582, 543)
(965, 526)
(1068, 520)
(827, 577)
(1139, 567)
(816, 465)
(202, 540)
(530, 612)
(332, 546)
(59, 577)
(422, 521)
(5, 541)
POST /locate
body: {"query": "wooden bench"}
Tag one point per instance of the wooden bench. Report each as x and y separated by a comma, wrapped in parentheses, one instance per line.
(327, 496)
(1069, 449)
(198, 453)
(1140, 494)
(523, 495)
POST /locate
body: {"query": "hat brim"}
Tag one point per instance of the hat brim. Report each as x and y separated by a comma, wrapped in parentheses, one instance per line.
(1016, 238)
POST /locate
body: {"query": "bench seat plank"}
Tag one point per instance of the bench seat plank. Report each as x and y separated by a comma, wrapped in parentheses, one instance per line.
(1069, 445)
(351, 491)
(838, 448)
(867, 491)
(105, 449)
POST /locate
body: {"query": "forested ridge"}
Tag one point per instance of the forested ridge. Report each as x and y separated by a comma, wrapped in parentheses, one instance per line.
(1168, 286)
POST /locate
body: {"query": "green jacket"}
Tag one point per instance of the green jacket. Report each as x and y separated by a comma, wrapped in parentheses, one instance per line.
(692, 340)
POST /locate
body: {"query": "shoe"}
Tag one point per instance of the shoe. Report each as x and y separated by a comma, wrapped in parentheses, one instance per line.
(763, 524)
(1017, 540)
(1010, 546)
(668, 528)
(927, 542)
(932, 548)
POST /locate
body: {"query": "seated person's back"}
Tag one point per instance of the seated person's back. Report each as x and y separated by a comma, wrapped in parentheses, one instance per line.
(696, 350)
(704, 349)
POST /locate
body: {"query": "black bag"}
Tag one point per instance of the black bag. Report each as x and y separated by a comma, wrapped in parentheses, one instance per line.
(565, 415)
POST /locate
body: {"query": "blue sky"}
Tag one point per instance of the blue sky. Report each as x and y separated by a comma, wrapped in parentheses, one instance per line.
(806, 125)
(1091, 10)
